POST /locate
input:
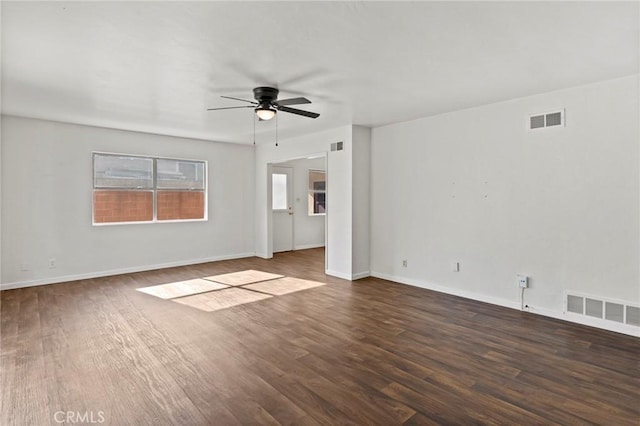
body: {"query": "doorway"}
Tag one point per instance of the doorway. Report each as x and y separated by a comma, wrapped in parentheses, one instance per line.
(298, 203)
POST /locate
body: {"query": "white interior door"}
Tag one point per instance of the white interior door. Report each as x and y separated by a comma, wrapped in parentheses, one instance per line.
(282, 205)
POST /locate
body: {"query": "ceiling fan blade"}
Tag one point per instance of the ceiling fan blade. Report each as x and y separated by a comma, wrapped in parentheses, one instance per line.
(238, 99)
(217, 109)
(293, 101)
(298, 112)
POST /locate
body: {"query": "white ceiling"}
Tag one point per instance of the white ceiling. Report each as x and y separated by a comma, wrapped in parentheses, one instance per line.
(156, 67)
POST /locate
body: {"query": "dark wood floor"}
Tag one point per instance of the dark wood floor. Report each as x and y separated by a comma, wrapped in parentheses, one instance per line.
(367, 352)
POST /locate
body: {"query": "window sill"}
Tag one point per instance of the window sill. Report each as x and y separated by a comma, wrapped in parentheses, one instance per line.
(147, 222)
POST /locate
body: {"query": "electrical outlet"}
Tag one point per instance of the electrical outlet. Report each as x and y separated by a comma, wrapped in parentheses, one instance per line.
(24, 267)
(52, 263)
(404, 263)
(523, 281)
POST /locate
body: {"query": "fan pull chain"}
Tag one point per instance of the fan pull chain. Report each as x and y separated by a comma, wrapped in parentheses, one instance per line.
(253, 116)
(276, 129)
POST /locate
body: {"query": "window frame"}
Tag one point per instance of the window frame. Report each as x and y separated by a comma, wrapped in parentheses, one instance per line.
(154, 189)
(311, 192)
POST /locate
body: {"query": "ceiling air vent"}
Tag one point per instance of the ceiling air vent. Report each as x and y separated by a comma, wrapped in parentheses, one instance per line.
(337, 146)
(546, 120)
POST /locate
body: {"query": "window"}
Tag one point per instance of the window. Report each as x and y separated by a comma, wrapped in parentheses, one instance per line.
(317, 192)
(128, 188)
(279, 191)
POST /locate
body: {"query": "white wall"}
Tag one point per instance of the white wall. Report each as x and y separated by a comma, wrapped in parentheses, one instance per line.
(361, 190)
(474, 186)
(0, 148)
(339, 200)
(47, 199)
(308, 231)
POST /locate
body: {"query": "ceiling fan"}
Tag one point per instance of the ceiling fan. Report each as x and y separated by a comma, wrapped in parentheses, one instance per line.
(268, 105)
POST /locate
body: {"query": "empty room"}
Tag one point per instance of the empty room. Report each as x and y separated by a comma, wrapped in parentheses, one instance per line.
(320, 213)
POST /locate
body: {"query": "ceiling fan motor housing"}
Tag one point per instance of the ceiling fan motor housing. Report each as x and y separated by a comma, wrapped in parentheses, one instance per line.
(265, 94)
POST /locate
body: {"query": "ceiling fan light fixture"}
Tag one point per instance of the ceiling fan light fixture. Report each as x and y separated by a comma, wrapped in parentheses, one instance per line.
(265, 112)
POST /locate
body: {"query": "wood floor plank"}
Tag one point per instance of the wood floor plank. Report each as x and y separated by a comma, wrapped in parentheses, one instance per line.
(28, 387)
(221, 299)
(243, 277)
(181, 288)
(282, 286)
(363, 352)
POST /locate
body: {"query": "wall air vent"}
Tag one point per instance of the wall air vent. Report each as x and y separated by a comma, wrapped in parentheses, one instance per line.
(575, 304)
(633, 316)
(337, 146)
(546, 120)
(536, 121)
(614, 312)
(600, 307)
(594, 308)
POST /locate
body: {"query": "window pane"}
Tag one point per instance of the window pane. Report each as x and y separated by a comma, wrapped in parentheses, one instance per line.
(180, 174)
(119, 171)
(175, 205)
(319, 202)
(122, 206)
(279, 191)
(317, 191)
(317, 179)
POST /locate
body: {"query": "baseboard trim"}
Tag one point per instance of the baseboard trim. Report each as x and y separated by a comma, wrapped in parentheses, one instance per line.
(99, 274)
(308, 246)
(338, 274)
(564, 316)
(447, 290)
(351, 277)
(360, 275)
